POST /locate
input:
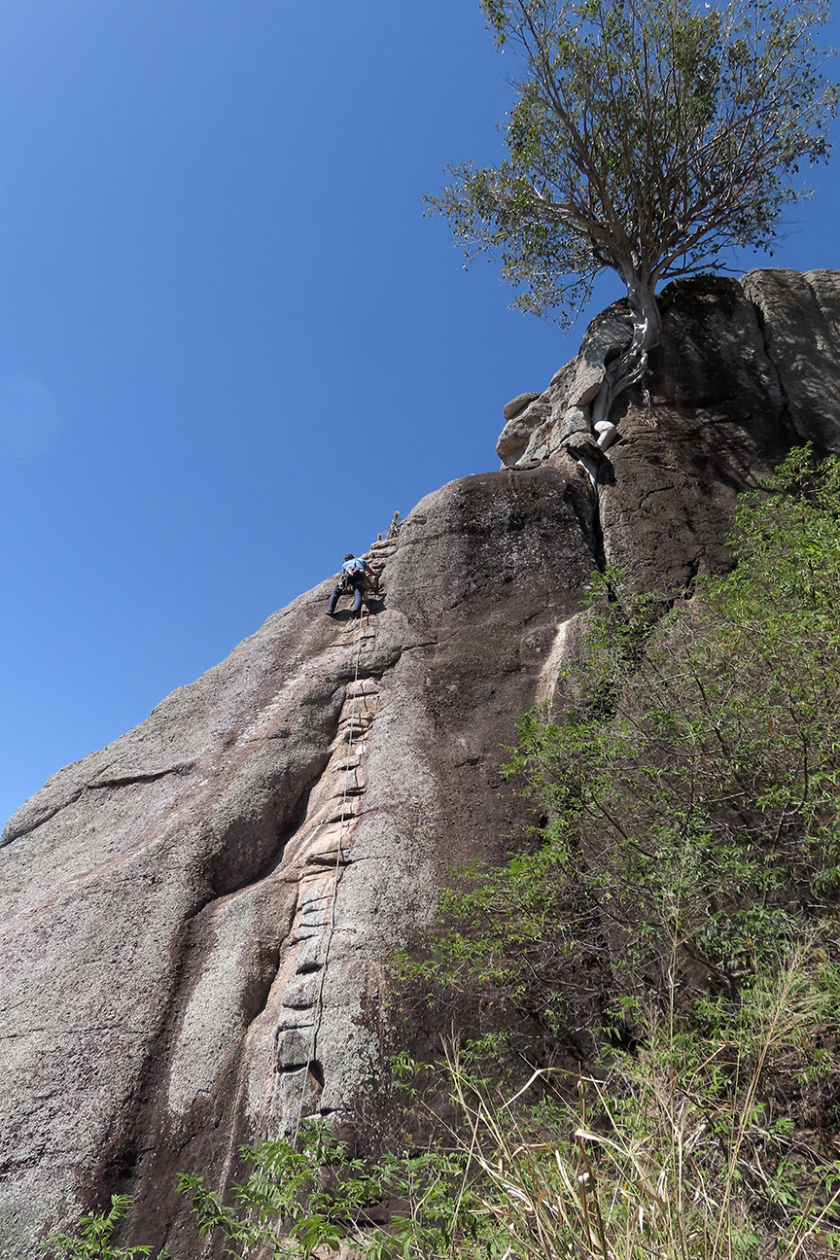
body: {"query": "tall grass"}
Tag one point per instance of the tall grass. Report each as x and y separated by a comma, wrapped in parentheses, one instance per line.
(668, 1154)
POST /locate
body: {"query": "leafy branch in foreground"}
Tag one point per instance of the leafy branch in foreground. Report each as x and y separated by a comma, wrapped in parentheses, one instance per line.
(293, 1199)
(297, 1201)
(92, 1241)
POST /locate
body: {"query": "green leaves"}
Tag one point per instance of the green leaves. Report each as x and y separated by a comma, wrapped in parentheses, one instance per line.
(668, 927)
(92, 1241)
(689, 790)
(294, 1200)
(298, 1202)
(649, 137)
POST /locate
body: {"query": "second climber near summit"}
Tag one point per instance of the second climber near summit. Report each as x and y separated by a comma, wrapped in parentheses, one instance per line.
(356, 575)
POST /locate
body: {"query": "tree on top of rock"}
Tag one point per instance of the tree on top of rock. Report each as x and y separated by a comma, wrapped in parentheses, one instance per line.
(650, 137)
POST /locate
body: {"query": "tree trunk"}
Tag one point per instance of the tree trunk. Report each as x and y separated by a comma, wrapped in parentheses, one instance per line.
(629, 368)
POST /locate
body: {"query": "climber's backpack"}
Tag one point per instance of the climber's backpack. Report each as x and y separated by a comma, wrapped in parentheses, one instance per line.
(351, 575)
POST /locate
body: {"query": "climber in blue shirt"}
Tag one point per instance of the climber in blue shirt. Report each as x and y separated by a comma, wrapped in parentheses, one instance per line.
(356, 575)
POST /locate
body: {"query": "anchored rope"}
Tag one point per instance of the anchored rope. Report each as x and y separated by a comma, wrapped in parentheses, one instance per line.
(319, 1003)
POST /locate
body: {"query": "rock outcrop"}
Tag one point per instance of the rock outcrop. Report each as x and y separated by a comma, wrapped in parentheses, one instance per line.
(194, 920)
(785, 325)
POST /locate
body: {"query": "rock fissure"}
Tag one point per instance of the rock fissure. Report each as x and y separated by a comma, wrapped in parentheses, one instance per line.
(652, 490)
(761, 324)
(182, 768)
(316, 840)
(598, 550)
(315, 822)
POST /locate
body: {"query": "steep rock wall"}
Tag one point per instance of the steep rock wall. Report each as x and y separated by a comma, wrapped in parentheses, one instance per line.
(193, 920)
(166, 903)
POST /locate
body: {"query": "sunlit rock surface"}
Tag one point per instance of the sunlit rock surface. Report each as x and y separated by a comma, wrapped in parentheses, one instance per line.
(193, 921)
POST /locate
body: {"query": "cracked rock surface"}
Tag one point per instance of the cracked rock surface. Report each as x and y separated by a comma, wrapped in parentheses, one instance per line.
(193, 921)
(744, 370)
(731, 352)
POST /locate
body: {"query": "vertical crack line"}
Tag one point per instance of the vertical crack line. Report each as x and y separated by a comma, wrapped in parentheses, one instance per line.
(787, 421)
(592, 470)
(319, 1003)
(599, 551)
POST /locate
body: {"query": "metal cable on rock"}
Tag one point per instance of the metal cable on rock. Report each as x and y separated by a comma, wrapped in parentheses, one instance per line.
(319, 1002)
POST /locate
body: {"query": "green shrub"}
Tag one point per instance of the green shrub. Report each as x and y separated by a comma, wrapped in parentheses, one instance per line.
(92, 1240)
(688, 788)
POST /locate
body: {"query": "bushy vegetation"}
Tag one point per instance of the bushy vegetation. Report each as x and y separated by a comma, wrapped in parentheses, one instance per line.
(643, 1059)
(93, 1237)
(688, 786)
(670, 925)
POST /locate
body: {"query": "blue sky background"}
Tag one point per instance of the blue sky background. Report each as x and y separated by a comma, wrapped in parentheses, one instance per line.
(230, 343)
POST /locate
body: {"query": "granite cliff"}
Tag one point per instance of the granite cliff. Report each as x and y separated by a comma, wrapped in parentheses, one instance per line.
(193, 920)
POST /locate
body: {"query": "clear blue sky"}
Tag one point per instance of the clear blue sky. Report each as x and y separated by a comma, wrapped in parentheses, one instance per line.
(230, 343)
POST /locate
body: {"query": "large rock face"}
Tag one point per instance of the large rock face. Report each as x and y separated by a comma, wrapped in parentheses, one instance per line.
(194, 919)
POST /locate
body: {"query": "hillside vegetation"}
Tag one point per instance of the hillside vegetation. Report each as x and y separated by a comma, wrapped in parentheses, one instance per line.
(644, 998)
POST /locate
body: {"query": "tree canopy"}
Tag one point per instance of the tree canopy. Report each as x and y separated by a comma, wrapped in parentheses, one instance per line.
(651, 137)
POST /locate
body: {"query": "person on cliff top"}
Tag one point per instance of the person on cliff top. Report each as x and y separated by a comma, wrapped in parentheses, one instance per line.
(356, 575)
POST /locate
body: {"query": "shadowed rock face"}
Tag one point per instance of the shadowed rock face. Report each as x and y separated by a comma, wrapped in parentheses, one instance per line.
(745, 369)
(193, 920)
